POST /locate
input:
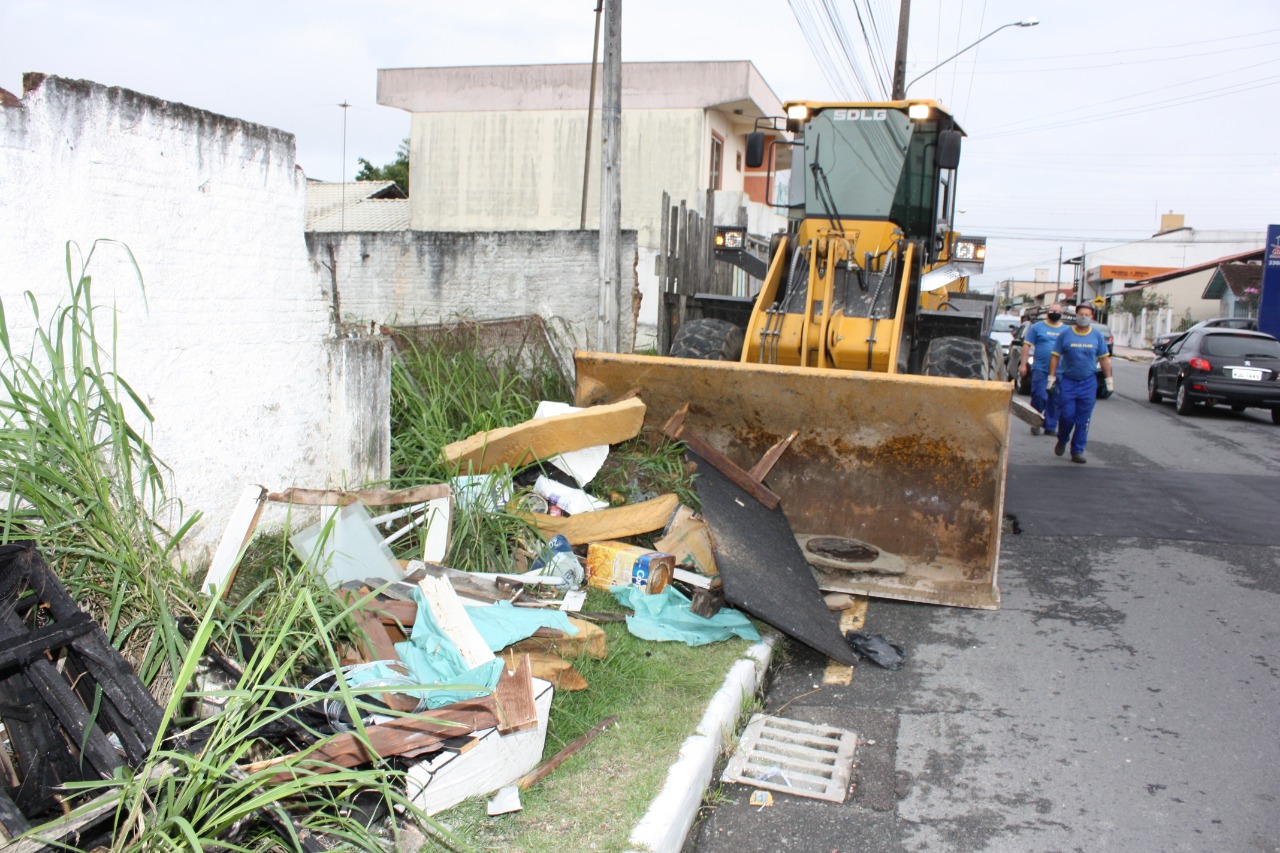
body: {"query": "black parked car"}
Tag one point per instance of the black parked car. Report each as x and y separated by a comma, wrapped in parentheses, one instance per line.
(1247, 323)
(1213, 365)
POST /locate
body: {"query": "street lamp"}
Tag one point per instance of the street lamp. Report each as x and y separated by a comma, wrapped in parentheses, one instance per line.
(1029, 22)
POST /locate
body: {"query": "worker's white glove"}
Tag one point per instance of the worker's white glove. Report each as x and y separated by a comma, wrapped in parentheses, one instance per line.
(1053, 380)
(1111, 385)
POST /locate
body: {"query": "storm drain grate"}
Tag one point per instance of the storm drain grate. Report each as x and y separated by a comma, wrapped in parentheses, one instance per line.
(798, 758)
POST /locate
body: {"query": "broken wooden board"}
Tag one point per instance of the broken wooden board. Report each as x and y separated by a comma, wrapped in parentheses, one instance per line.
(239, 529)
(676, 430)
(410, 733)
(368, 497)
(549, 667)
(447, 778)
(452, 620)
(763, 570)
(617, 523)
(542, 438)
(590, 640)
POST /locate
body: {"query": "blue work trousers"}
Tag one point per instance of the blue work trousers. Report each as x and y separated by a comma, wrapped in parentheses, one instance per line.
(1076, 399)
(1042, 401)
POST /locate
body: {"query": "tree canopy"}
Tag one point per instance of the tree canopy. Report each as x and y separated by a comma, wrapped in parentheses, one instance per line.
(397, 170)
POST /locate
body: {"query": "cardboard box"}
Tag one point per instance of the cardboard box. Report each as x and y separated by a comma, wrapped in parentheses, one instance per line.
(618, 564)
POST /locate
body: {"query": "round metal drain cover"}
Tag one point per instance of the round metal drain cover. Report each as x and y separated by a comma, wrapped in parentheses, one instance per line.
(844, 550)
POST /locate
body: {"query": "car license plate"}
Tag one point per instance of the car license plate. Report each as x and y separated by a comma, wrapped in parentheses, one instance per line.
(1246, 373)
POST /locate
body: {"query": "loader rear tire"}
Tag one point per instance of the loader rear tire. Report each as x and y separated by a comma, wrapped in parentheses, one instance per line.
(708, 340)
(959, 358)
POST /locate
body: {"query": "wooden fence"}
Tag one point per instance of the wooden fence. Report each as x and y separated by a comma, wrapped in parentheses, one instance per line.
(687, 265)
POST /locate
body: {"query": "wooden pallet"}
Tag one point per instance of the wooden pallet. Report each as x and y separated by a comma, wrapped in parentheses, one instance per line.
(72, 707)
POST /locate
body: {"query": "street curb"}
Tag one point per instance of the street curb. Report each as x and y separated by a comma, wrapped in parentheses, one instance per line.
(671, 814)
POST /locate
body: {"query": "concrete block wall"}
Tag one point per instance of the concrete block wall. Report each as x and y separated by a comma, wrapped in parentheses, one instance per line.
(413, 278)
(230, 337)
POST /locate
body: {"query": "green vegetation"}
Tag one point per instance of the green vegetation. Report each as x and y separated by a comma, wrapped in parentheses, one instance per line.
(397, 170)
(79, 477)
(595, 799)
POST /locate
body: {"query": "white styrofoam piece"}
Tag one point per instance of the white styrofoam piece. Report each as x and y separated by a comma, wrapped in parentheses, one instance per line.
(582, 465)
(447, 778)
(506, 800)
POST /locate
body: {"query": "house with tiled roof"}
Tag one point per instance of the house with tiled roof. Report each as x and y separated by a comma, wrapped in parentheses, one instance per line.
(356, 206)
(1237, 287)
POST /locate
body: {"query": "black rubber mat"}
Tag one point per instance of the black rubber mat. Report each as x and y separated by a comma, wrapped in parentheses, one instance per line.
(763, 569)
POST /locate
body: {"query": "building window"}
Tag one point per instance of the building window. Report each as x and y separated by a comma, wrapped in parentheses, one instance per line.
(717, 159)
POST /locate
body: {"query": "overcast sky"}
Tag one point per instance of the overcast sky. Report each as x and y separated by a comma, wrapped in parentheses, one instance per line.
(1082, 130)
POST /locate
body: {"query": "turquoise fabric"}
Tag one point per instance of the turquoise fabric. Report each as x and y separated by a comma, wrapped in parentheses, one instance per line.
(502, 624)
(433, 659)
(666, 616)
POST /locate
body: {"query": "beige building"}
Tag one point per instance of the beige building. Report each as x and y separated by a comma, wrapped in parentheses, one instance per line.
(503, 147)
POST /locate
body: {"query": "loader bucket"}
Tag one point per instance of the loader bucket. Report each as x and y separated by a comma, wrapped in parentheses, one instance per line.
(895, 484)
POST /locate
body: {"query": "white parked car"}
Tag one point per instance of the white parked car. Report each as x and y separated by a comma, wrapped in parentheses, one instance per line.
(1002, 329)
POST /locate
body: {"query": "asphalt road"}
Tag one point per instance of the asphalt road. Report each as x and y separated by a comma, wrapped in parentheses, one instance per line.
(1125, 698)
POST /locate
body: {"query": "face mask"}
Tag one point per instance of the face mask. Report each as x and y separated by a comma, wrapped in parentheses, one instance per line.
(1054, 316)
(1083, 321)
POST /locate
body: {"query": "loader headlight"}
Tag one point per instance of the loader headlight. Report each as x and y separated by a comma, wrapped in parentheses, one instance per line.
(919, 112)
(730, 237)
(797, 112)
(971, 249)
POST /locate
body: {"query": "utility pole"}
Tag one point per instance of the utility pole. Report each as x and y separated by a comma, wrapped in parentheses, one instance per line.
(591, 108)
(608, 332)
(900, 60)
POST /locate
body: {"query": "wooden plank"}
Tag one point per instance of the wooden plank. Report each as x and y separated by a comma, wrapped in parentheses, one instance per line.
(401, 735)
(617, 523)
(45, 639)
(727, 466)
(57, 694)
(590, 640)
(376, 644)
(549, 667)
(514, 700)
(542, 438)
(239, 529)
(12, 821)
(761, 469)
(368, 497)
(538, 773)
(452, 620)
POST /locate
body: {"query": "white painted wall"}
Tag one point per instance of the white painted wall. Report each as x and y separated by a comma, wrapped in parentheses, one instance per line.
(233, 346)
(428, 277)
(491, 171)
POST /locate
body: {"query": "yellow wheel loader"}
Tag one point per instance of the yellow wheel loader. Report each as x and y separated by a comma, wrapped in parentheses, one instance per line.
(864, 339)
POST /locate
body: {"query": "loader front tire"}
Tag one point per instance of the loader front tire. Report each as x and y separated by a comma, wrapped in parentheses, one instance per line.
(708, 340)
(959, 358)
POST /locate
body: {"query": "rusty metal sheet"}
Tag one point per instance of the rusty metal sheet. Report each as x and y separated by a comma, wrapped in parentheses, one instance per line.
(912, 465)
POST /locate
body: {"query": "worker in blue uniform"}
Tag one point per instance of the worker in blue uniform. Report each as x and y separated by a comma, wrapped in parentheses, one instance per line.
(1077, 355)
(1037, 346)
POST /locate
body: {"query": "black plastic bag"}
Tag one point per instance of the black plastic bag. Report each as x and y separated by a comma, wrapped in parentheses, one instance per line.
(876, 648)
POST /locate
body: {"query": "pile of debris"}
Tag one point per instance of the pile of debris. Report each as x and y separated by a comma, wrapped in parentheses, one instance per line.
(453, 672)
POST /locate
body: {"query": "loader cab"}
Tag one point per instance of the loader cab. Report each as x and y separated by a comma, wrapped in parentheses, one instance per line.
(877, 162)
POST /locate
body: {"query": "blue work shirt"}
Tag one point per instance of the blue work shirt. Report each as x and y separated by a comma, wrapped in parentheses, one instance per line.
(1078, 352)
(1041, 336)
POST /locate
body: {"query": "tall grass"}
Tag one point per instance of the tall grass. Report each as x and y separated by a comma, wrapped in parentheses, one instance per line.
(448, 384)
(200, 791)
(78, 476)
